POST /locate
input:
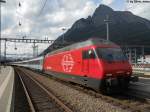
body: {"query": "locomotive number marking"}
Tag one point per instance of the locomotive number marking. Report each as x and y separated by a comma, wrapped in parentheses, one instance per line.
(67, 63)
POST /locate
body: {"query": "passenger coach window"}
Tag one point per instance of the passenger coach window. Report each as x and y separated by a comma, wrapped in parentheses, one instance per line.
(88, 54)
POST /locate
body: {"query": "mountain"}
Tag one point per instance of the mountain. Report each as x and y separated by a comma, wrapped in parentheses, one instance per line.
(125, 28)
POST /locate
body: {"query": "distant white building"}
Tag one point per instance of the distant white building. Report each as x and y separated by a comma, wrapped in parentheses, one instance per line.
(145, 59)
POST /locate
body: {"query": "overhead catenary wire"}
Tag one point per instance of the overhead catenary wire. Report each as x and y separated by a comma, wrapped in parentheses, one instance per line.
(42, 8)
(22, 18)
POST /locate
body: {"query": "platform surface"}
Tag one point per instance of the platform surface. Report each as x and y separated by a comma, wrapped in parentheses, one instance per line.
(6, 88)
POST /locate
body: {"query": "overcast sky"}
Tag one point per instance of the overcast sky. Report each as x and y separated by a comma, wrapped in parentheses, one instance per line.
(46, 18)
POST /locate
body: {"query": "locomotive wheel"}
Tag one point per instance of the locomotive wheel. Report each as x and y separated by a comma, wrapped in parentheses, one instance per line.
(105, 88)
(124, 85)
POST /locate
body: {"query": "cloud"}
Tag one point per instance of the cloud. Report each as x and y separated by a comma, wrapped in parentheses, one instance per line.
(140, 9)
(107, 2)
(38, 22)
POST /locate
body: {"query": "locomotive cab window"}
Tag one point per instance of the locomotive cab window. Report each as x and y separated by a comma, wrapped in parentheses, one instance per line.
(88, 54)
(111, 54)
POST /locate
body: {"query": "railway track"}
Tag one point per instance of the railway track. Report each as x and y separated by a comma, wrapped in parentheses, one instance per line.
(39, 98)
(127, 102)
(124, 101)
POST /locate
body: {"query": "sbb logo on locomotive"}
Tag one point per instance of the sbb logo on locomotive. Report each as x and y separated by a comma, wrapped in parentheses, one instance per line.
(67, 63)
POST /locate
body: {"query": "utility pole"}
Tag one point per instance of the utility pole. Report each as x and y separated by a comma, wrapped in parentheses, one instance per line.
(63, 29)
(5, 50)
(135, 56)
(107, 21)
(130, 56)
(1, 1)
(35, 50)
(143, 55)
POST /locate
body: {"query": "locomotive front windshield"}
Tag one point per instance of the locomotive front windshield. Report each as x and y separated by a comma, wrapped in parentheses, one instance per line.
(111, 54)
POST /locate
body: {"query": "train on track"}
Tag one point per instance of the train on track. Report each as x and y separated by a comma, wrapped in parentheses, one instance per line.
(95, 63)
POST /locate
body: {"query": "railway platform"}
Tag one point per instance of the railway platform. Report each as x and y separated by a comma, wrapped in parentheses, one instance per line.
(142, 74)
(6, 88)
(142, 71)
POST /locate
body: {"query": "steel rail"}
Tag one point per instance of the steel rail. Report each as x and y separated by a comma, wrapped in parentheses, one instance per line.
(67, 109)
(126, 104)
(27, 94)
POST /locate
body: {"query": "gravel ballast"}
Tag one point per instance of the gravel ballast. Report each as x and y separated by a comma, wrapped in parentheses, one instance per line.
(79, 100)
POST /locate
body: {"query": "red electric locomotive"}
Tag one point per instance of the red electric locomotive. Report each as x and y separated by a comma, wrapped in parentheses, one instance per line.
(95, 63)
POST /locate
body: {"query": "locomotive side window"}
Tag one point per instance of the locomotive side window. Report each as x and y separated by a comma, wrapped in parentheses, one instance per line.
(88, 54)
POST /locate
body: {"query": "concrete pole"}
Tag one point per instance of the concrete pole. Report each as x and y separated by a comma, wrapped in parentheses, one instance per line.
(107, 21)
(107, 27)
(130, 56)
(34, 49)
(63, 29)
(135, 57)
(0, 36)
(1, 1)
(143, 54)
(5, 50)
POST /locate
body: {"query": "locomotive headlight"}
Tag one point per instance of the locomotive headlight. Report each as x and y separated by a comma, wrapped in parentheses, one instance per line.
(109, 75)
